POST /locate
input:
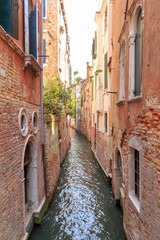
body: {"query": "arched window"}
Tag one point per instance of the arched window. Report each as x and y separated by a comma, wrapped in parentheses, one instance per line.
(135, 53)
(138, 56)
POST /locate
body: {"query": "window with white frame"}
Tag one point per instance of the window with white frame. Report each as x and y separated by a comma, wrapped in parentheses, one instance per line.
(136, 52)
(122, 72)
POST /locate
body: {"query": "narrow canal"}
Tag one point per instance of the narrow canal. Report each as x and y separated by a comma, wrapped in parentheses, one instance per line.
(83, 205)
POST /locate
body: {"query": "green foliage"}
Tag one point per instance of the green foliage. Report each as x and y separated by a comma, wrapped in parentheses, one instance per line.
(56, 98)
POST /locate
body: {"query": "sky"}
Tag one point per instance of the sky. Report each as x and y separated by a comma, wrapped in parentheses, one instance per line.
(80, 18)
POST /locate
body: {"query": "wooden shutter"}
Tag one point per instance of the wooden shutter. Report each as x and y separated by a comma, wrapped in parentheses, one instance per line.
(105, 70)
(33, 32)
(6, 15)
(138, 56)
(15, 22)
(26, 26)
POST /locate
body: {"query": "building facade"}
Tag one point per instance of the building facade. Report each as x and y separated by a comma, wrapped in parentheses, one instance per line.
(22, 182)
(56, 52)
(135, 115)
(125, 109)
(56, 43)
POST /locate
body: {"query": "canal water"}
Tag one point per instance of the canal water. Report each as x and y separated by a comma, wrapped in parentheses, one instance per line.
(83, 206)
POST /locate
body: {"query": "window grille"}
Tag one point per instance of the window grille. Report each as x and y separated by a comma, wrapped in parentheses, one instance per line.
(137, 173)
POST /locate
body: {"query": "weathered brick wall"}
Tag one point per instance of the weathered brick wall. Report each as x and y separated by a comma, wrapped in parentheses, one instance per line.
(18, 90)
(141, 118)
(145, 126)
(57, 141)
(65, 136)
(52, 159)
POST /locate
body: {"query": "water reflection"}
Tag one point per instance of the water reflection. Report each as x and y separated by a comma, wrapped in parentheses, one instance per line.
(83, 206)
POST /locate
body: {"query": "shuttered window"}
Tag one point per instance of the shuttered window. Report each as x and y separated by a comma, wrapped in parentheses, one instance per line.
(33, 32)
(106, 70)
(138, 56)
(9, 17)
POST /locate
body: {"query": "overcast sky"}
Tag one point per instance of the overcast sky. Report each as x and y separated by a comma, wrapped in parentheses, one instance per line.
(80, 17)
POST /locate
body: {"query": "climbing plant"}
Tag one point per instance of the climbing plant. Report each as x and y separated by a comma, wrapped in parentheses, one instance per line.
(56, 98)
(59, 100)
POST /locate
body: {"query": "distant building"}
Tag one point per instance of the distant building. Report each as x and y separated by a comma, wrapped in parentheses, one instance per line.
(56, 41)
(22, 191)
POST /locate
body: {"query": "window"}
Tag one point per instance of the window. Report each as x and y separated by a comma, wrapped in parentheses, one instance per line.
(9, 17)
(105, 20)
(137, 173)
(135, 161)
(34, 122)
(106, 120)
(94, 47)
(97, 120)
(23, 122)
(105, 70)
(93, 118)
(122, 72)
(138, 56)
(135, 54)
(44, 50)
(44, 8)
(33, 32)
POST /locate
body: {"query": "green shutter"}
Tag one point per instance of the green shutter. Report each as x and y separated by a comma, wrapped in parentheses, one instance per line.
(15, 25)
(138, 56)
(33, 32)
(5, 15)
(106, 70)
(9, 17)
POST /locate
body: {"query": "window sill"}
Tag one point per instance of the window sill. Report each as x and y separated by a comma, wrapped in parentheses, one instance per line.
(134, 99)
(120, 102)
(135, 202)
(30, 60)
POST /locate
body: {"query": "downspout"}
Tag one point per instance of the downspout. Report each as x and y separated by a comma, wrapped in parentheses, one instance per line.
(42, 123)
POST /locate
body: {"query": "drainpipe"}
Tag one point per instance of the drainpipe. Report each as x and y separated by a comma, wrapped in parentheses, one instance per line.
(42, 124)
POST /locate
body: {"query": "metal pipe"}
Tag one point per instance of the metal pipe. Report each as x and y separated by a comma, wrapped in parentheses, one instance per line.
(42, 123)
(42, 73)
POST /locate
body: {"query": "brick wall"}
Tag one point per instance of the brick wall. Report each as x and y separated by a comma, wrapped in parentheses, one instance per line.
(57, 141)
(18, 89)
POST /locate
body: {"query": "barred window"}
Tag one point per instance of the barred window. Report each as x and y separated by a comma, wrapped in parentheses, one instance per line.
(137, 173)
